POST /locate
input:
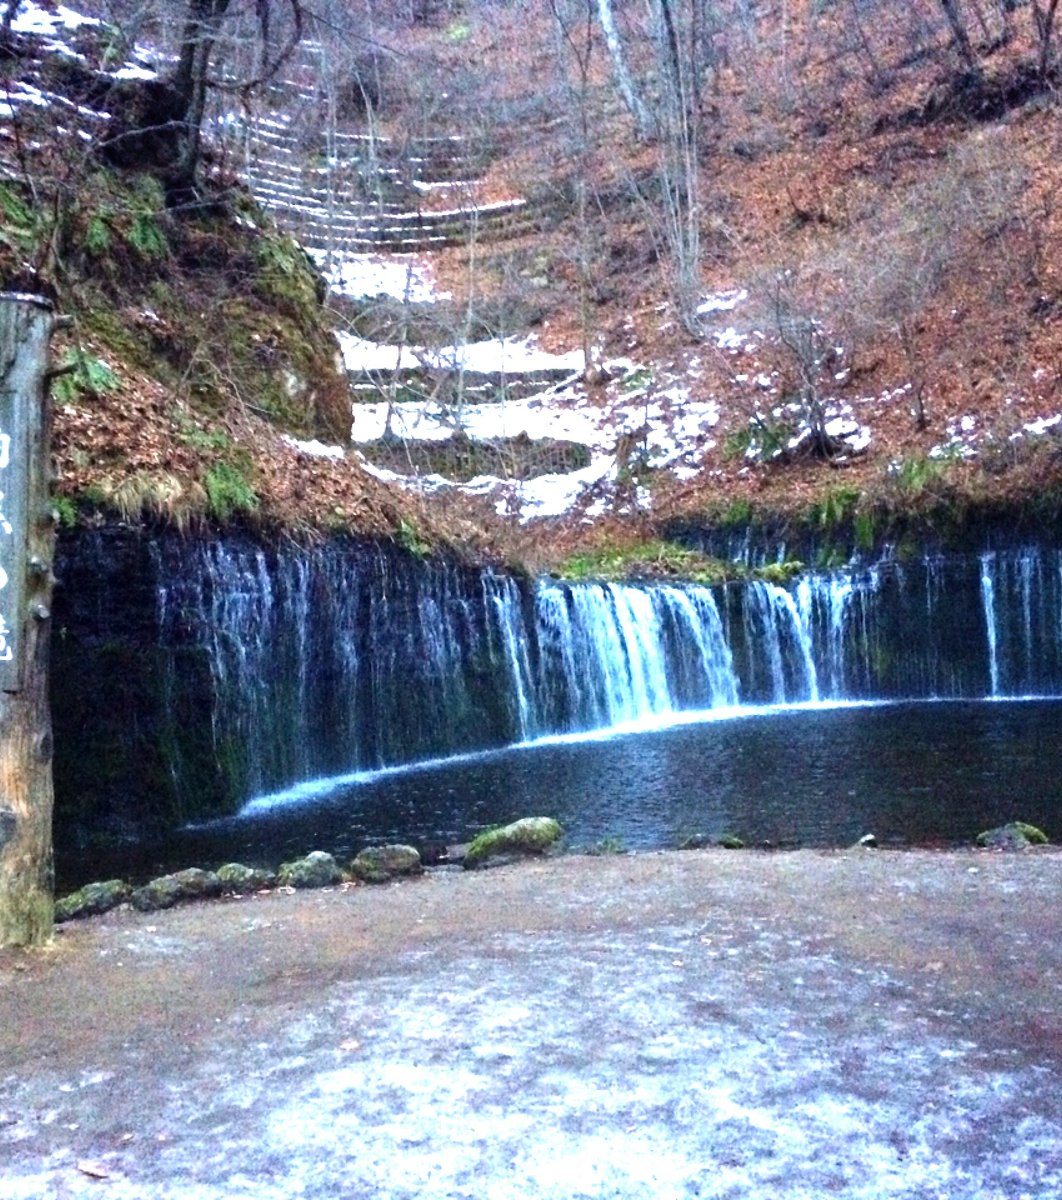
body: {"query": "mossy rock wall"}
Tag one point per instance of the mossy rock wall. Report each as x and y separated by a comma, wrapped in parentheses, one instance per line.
(131, 715)
(194, 672)
(826, 535)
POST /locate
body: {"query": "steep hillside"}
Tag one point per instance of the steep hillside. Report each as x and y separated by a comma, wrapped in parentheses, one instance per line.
(824, 294)
(199, 361)
(879, 313)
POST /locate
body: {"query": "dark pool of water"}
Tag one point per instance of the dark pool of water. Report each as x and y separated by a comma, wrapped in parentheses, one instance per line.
(910, 773)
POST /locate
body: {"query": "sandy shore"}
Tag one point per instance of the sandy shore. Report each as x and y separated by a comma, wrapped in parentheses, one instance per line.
(711, 1024)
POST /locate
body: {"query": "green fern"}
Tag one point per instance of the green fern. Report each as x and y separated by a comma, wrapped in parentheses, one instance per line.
(863, 526)
(82, 374)
(228, 492)
(409, 538)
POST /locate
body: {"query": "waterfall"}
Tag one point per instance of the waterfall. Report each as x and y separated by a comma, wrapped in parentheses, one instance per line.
(614, 655)
(328, 660)
(988, 603)
(782, 626)
(274, 665)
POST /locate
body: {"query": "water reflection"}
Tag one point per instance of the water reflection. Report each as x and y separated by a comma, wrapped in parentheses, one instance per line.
(910, 773)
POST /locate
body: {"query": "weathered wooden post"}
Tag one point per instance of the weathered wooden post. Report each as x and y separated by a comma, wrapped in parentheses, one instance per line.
(27, 542)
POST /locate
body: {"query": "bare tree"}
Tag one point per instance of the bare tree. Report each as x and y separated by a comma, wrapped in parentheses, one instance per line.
(159, 124)
(676, 52)
(632, 97)
(960, 34)
(961, 217)
(803, 335)
(574, 24)
(1044, 19)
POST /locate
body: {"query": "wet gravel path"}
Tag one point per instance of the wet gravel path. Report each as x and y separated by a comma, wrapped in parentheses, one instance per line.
(861, 1024)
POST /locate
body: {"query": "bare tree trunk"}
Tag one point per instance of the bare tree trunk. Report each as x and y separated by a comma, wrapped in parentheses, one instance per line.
(578, 37)
(1045, 25)
(638, 109)
(958, 29)
(875, 67)
(679, 168)
(8, 20)
(189, 81)
(27, 539)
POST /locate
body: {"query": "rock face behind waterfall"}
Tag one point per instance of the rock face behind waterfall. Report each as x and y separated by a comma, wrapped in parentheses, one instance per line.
(191, 674)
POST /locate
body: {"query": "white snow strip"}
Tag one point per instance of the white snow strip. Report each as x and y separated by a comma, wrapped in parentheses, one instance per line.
(133, 70)
(315, 448)
(722, 302)
(496, 356)
(31, 18)
(444, 185)
(554, 495)
(729, 338)
(362, 276)
(1040, 427)
(955, 448)
(670, 428)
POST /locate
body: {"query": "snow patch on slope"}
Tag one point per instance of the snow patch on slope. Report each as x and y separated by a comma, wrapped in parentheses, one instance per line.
(372, 276)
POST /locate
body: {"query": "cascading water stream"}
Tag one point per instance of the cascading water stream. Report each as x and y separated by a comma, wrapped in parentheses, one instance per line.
(308, 663)
(988, 603)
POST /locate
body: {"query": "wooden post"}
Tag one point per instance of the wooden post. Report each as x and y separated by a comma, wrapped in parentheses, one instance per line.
(27, 543)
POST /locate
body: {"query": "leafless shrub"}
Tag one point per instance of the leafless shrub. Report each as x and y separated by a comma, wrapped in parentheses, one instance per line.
(957, 220)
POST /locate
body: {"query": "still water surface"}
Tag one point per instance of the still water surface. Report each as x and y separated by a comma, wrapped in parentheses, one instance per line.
(910, 773)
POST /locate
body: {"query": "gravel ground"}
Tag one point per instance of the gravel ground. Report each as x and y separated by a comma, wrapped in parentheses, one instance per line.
(864, 1024)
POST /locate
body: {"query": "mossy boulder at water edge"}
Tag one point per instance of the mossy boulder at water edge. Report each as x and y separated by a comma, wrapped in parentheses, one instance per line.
(316, 870)
(92, 899)
(379, 864)
(237, 880)
(1015, 835)
(168, 890)
(532, 835)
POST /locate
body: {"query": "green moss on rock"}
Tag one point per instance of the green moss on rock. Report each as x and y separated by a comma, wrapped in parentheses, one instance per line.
(779, 573)
(318, 869)
(648, 560)
(195, 883)
(1015, 835)
(532, 835)
(379, 864)
(191, 884)
(163, 892)
(238, 880)
(92, 900)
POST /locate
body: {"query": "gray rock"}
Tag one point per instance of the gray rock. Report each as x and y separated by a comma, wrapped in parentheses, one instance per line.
(317, 869)
(92, 899)
(378, 864)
